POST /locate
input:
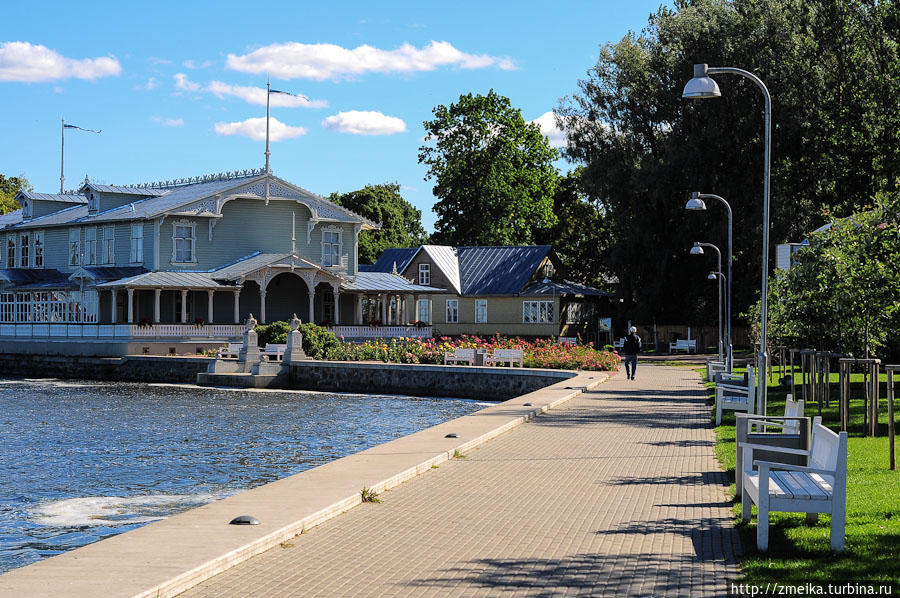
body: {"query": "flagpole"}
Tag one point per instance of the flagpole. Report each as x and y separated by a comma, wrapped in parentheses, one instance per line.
(62, 157)
(268, 94)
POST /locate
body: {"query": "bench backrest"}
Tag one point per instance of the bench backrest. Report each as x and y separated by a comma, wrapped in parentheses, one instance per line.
(828, 450)
(507, 353)
(683, 342)
(273, 348)
(464, 353)
(793, 408)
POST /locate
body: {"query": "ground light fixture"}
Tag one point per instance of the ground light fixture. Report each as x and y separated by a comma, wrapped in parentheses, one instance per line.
(702, 86)
(696, 204)
(697, 249)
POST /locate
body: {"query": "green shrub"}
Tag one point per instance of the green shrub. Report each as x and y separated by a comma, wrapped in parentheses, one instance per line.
(275, 333)
(317, 340)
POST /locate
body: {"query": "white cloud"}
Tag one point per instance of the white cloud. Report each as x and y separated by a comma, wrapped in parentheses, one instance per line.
(157, 60)
(255, 128)
(257, 95)
(182, 82)
(547, 124)
(168, 122)
(193, 64)
(364, 122)
(22, 61)
(151, 84)
(328, 61)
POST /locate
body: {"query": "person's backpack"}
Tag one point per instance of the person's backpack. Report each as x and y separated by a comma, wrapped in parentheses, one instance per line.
(632, 345)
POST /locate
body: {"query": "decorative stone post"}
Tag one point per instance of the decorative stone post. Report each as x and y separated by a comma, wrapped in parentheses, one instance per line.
(250, 349)
(294, 350)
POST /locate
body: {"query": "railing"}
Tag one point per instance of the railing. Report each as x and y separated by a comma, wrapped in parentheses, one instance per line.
(190, 331)
(382, 331)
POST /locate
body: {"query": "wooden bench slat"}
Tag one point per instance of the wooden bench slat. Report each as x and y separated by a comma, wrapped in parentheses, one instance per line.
(791, 485)
(814, 491)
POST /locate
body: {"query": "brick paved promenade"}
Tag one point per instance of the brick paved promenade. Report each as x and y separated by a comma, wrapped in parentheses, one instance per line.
(616, 493)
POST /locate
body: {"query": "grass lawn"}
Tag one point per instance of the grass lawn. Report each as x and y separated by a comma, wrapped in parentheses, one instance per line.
(801, 553)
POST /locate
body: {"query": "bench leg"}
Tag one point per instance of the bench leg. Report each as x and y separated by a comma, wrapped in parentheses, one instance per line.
(762, 527)
(837, 528)
(718, 413)
(812, 518)
(746, 505)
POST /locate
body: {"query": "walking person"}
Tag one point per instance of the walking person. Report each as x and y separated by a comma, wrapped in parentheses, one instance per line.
(630, 350)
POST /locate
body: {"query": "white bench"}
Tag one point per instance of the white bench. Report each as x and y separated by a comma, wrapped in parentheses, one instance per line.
(818, 487)
(457, 356)
(230, 351)
(777, 428)
(568, 340)
(619, 343)
(733, 395)
(502, 356)
(273, 352)
(683, 344)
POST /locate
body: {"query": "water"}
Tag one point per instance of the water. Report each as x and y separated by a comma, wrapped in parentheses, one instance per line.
(81, 461)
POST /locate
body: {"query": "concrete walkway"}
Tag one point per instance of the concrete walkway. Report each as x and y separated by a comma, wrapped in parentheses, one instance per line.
(615, 493)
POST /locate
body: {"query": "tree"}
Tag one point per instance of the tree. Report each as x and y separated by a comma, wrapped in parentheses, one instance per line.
(9, 187)
(401, 222)
(833, 70)
(493, 172)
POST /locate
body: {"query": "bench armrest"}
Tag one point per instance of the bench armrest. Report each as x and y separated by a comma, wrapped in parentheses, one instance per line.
(774, 449)
(787, 467)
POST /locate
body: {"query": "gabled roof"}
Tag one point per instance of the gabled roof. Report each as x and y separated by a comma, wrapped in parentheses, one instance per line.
(563, 287)
(258, 261)
(58, 197)
(445, 258)
(385, 262)
(501, 270)
(163, 280)
(385, 281)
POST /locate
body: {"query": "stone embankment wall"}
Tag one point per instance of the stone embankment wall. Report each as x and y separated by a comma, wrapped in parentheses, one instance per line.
(133, 368)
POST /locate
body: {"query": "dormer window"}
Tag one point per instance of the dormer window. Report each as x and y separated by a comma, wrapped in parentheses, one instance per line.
(93, 203)
(26, 210)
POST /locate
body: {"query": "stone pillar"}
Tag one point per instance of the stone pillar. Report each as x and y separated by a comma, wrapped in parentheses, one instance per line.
(237, 306)
(209, 307)
(294, 350)
(130, 305)
(249, 353)
(312, 306)
(156, 294)
(184, 306)
(115, 295)
(337, 307)
(262, 305)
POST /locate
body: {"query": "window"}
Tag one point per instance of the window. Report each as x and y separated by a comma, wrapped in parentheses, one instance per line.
(480, 311)
(184, 243)
(39, 249)
(90, 245)
(137, 243)
(24, 242)
(331, 248)
(425, 274)
(108, 245)
(452, 310)
(74, 246)
(11, 251)
(423, 310)
(537, 312)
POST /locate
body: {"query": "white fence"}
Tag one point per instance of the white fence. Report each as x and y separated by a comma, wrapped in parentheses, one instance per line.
(124, 331)
(382, 331)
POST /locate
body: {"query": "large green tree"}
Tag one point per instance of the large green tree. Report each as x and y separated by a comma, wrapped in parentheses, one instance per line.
(833, 70)
(401, 222)
(493, 172)
(9, 187)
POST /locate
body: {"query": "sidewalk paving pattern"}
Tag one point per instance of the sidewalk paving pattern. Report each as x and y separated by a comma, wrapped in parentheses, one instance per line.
(616, 493)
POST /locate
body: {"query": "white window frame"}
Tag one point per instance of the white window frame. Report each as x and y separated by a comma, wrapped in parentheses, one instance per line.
(331, 251)
(37, 259)
(192, 256)
(25, 249)
(137, 243)
(481, 313)
(90, 245)
(74, 246)
(423, 310)
(424, 274)
(108, 246)
(452, 316)
(538, 312)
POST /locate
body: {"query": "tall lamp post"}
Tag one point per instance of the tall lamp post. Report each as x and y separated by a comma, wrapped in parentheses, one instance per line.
(697, 249)
(696, 203)
(703, 86)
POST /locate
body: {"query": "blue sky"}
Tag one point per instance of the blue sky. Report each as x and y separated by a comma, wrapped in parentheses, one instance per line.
(171, 84)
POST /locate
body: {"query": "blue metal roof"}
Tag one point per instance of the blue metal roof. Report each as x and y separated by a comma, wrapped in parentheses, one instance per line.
(385, 262)
(563, 287)
(62, 198)
(35, 278)
(498, 270)
(11, 218)
(385, 281)
(105, 273)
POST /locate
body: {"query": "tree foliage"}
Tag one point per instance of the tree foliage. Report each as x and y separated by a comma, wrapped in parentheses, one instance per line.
(833, 70)
(9, 187)
(401, 222)
(493, 172)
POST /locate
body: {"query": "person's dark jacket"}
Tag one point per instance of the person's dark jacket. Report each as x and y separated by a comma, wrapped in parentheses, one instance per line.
(632, 345)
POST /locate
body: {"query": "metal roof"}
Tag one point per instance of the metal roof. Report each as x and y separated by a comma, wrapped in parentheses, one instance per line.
(177, 280)
(385, 262)
(498, 270)
(563, 287)
(62, 198)
(106, 273)
(144, 191)
(63, 216)
(385, 282)
(11, 218)
(445, 258)
(27, 278)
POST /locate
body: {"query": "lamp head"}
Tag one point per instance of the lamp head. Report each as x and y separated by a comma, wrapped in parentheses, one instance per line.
(702, 85)
(695, 203)
(713, 275)
(696, 249)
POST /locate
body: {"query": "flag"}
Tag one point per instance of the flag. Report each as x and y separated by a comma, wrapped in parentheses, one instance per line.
(287, 93)
(80, 129)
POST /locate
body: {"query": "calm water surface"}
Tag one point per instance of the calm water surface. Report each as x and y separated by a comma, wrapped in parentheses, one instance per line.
(81, 461)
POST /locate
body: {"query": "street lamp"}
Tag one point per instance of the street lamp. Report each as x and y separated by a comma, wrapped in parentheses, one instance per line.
(697, 249)
(703, 86)
(696, 203)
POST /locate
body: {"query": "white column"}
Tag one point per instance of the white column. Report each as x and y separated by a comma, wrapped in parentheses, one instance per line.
(359, 314)
(262, 305)
(237, 306)
(113, 305)
(184, 307)
(416, 306)
(312, 306)
(406, 300)
(130, 305)
(384, 307)
(209, 307)
(156, 294)
(337, 307)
